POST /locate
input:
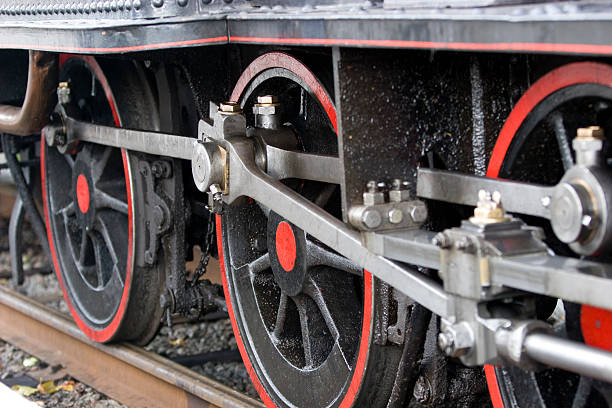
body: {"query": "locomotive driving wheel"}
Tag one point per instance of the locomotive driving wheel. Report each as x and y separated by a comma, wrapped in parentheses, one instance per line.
(534, 146)
(93, 208)
(303, 315)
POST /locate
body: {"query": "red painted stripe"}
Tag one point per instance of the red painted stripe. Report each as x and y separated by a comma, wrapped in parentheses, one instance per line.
(566, 48)
(143, 47)
(109, 331)
(364, 344)
(286, 61)
(230, 310)
(494, 392)
(443, 45)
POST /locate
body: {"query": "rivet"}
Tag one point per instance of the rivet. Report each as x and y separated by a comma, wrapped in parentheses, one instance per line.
(128, 4)
(182, 3)
(113, 5)
(158, 3)
(136, 4)
(107, 6)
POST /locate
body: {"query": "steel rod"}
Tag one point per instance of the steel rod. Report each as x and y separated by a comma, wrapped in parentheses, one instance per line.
(569, 355)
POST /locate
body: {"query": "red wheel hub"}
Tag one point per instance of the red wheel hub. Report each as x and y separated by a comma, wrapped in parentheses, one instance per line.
(596, 327)
(82, 193)
(285, 246)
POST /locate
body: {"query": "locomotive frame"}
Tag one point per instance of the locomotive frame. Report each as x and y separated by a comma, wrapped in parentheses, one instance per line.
(373, 130)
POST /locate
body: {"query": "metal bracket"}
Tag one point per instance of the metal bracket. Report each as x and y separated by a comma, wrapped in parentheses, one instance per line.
(158, 214)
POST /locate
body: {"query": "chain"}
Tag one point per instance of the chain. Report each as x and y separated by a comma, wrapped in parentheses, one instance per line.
(205, 256)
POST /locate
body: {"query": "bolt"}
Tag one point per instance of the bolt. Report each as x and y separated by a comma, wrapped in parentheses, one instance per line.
(371, 186)
(441, 240)
(54, 136)
(371, 219)
(545, 201)
(229, 107)
(591, 132)
(589, 221)
(422, 390)
(267, 99)
(216, 189)
(396, 184)
(63, 93)
(489, 209)
(446, 342)
(395, 216)
(381, 185)
(464, 244)
(419, 213)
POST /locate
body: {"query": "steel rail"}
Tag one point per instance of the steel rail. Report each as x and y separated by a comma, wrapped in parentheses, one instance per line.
(125, 372)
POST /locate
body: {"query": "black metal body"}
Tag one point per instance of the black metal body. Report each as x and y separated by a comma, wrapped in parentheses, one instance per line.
(125, 26)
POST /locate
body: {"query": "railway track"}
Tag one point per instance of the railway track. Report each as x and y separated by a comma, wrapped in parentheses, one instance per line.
(125, 372)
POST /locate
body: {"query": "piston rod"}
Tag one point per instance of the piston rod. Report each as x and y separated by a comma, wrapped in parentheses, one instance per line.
(569, 355)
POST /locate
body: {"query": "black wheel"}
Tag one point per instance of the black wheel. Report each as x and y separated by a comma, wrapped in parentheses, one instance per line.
(303, 316)
(535, 146)
(93, 201)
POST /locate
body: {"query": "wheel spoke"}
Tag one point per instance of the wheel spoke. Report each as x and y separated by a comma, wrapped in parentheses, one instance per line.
(67, 210)
(561, 134)
(265, 209)
(316, 339)
(101, 225)
(100, 165)
(105, 200)
(318, 255)
(260, 264)
(331, 297)
(582, 392)
(325, 194)
(69, 160)
(281, 315)
(83, 248)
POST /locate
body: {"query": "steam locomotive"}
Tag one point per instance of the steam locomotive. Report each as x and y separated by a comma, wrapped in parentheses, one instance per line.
(399, 193)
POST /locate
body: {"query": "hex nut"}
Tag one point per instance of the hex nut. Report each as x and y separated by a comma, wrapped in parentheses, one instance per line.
(395, 216)
(395, 196)
(230, 107)
(590, 132)
(267, 99)
(457, 339)
(266, 109)
(371, 219)
(419, 213)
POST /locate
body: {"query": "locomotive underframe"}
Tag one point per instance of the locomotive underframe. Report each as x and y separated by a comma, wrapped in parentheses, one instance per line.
(473, 275)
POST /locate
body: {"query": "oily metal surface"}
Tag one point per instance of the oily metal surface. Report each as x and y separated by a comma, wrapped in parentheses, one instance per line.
(127, 373)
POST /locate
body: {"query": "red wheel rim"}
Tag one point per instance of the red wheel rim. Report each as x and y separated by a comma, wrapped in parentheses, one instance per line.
(559, 78)
(106, 333)
(262, 63)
